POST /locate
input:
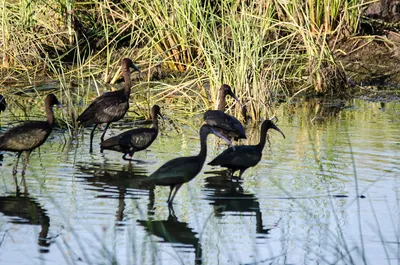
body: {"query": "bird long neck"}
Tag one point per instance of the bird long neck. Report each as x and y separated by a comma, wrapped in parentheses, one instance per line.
(221, 101)
(203, 147)
(127, 81)
(263, 137)
(50, 114)
(155, 121)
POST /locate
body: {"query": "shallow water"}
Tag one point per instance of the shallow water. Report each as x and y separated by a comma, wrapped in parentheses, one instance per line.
(327, 194)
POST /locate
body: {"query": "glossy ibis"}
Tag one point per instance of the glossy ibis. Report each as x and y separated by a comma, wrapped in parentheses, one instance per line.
(29, 135)
(3, 103)
(224, 123)
(245, 156)
(111, 106)
(134, 140)
(180, 170)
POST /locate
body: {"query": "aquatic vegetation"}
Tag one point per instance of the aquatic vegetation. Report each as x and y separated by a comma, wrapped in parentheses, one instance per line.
(266, 50)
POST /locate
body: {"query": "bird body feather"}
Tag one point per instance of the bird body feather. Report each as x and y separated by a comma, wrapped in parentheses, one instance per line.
(131, 141)
(232, 126)
(178, 170)
(109, 107)
(26, 136)
(238, 157)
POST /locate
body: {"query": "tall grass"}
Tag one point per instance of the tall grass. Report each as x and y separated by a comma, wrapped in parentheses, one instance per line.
(264, 49)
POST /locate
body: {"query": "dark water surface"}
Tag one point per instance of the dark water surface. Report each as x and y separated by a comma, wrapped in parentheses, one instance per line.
(327, 194)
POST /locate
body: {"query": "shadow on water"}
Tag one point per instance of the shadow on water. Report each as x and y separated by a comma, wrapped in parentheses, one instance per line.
(120, 183)
(26, 210)
(179, 234)
(228, 198)
(126, 182)
(129, 176)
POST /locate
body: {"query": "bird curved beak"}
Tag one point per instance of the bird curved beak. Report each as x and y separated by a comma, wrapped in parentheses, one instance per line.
(236, 98)
(215, 132)
(137, 69)
(243, 107)
(276, 128)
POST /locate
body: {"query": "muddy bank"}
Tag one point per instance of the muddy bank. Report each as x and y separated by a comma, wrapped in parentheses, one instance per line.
(371, 59)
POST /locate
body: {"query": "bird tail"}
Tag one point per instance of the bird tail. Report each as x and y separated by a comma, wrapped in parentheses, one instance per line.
(111, 144)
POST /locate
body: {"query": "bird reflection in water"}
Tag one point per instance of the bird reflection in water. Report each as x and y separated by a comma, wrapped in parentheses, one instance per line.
(175, 232)
(229, 198)
(25, 210)
(117, 183)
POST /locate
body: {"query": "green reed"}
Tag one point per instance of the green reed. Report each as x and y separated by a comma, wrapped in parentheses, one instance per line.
(266, 50)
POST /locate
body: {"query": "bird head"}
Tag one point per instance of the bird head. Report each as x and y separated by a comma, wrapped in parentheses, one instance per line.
(268, 124)
(127, 63)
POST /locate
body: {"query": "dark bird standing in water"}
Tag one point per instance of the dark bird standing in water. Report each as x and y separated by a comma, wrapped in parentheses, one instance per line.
(245, 156)
(110, 106)
(29, 135)
(3, 103)
(134, 140)
(180, 170)
(226, 124)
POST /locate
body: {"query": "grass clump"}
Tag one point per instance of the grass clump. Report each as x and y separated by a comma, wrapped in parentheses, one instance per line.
(264, 49)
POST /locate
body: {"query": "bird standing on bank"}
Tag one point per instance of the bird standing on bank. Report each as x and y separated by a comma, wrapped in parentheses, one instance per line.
(29, 135)
(180, 170)
(224, 123)
(245, 156)
(134, 140)
(111, 106)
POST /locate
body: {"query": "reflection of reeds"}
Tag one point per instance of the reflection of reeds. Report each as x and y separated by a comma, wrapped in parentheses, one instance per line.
(263, 49)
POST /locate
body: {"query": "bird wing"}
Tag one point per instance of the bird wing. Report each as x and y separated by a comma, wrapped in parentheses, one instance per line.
(224, 121)
(111, 143)
(140, 138)
(25, 136)
(239, 156)
(108, 107)
(176, 171)
(131, 141)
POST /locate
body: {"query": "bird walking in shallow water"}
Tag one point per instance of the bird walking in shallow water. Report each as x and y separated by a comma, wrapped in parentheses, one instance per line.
(224, 123)
(3, 103)
(245, 156)
(110, 106)
(180, 170)
(29, 135)
(134, 140)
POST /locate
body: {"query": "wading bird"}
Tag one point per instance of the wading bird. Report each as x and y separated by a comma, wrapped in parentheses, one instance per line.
(134, 140)
(224, 123)
(180, 170)
(111, 106)
(29, 135)
(245, 156)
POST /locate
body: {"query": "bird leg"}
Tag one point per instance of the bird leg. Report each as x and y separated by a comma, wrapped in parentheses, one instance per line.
(26, 159)
(177, 187)
(128, 159)
(229, 173)
(170, 191)
(104, 132)
(241, 173)
(16, 164)
(91, 138)
(171, 211)
(132, 160)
